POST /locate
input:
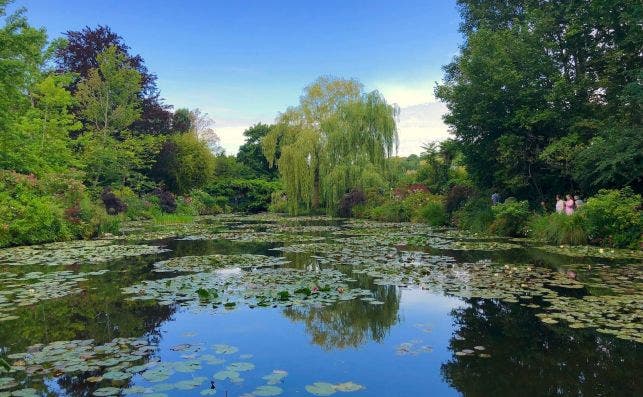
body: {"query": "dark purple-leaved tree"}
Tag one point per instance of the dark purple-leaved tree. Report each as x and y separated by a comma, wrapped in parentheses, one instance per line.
(79, 56)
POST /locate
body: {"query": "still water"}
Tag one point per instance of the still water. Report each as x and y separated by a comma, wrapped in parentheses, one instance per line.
(415, 342)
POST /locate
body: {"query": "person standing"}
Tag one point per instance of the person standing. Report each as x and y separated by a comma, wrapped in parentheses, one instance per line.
(560, 205)
(578, 202)
(569, 205)
(495, 199)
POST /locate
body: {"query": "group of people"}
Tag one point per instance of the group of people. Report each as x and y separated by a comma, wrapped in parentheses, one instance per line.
(563, 206)
(568, 205)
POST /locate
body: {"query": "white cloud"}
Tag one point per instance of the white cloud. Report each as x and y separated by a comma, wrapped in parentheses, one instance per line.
(230, 131)
(419, 124)
(407, 94)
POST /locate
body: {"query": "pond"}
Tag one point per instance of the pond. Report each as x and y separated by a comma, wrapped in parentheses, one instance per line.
(266, 305)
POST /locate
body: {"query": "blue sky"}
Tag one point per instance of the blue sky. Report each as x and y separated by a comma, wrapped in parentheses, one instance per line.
(244, 61)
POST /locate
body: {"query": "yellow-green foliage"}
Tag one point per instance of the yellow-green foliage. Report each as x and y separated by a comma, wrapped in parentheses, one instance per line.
(559, 228)
(613, 217)
(336, 139)
(51, 208)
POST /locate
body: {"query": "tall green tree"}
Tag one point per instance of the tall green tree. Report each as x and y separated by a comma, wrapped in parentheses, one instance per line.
(251, 155)
(534, 86)
(35, 117)
(337, 138)
(108, 97)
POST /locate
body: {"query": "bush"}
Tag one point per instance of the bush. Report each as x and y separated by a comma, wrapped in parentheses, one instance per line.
(278, 202)
(395, 211)
(510, 218)
(559, 228)
(113, 204)
(355, 197)
(51, 208)
(475, 215)
(613, 218)
(205, 204)
(184, 163)
(456, 196)
(165, 200)
(434, 214)
(244, 195)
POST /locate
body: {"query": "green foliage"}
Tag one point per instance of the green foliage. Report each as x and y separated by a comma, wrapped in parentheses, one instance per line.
(53, 208)
(244, 195)
(184, 163)
(206, 204)
(530, 120)
(475, 215)
(614, 158)
(434, 213)
(559, 228)
(108, 96)
(250, 153)
(228, 167)
(332, 142)
(278, 202)
(510, 218)
(394, 211)
(613, 218)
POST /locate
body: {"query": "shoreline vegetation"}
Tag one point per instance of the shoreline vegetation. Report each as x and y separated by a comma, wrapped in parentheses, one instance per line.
(88, 142)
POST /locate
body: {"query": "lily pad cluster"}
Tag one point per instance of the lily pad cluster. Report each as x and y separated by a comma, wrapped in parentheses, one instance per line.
(264, 287)
(72, 252)
(30, 288)
(327, 389)
(107, 364)
(207, 263)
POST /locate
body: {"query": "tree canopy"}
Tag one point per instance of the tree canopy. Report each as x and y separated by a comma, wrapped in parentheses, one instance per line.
(537, 89)
(336, 139)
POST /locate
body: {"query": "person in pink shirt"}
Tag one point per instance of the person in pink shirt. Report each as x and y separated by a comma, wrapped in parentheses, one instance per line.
(569, 205)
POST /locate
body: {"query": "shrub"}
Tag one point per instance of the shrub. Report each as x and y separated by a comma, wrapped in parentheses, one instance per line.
(137, 207)
(355, 197)
(613, 218)
(206, 204)
(166, 200)
(184, 163)
(434, 213)
(395, 211)
(456, 196)
(559, 228)
(244, 195)
(278, 202)
(475, 215)
(48, 209)
(510, 218)
(113, 204)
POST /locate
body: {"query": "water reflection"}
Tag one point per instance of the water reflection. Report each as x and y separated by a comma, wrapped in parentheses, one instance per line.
(351, 323)
(531, 359)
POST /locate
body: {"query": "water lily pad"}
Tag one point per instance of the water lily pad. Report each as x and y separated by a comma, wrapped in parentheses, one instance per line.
(227, 374)
(157, 374)
(241, 366)
(225, 349)
(106, 391)
(117, 375)
(275, 376)
(321, 389)
(267, 390)
(348, 387)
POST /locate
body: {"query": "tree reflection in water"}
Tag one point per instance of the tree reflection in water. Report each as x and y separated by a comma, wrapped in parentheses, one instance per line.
(531, 359)
(351, 323)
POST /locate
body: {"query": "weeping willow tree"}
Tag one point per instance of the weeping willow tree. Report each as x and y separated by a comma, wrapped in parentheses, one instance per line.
(338, 138)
